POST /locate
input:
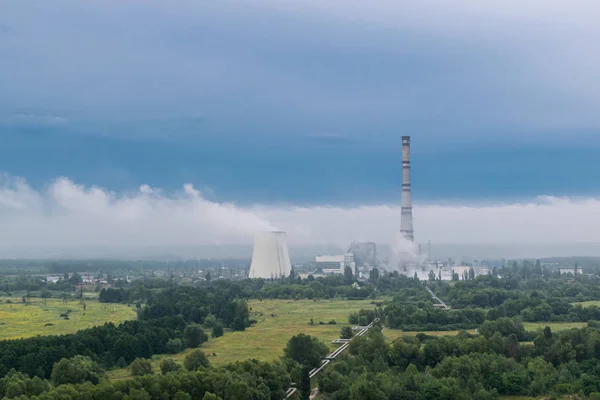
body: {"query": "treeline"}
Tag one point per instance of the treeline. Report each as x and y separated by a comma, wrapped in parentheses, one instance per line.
(467, 366)
(164, 318)
(414, 318)
(247, 380)
(107, 344)
(537, 299)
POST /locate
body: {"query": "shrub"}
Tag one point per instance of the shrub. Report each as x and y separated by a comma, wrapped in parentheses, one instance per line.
(78, 369)
(210, 321)
(347, 332)
(168, 365)
(217, 330)
(194, 335)
(195, 360)
(174, 346)
(140, 367)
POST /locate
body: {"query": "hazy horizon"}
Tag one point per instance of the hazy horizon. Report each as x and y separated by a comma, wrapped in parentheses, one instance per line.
(190, 124)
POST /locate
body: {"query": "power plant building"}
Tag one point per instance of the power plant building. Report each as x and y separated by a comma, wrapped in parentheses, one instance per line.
(270, 258)
(365, 253)
(334, 264)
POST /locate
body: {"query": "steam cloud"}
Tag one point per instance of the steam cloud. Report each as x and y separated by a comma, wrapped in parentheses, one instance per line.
(68, 214)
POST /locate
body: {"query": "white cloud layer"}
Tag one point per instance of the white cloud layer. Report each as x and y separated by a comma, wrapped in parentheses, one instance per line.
(68, 215)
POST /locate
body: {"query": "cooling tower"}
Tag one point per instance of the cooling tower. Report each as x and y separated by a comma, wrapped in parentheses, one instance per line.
(406, 220)
(270, 258)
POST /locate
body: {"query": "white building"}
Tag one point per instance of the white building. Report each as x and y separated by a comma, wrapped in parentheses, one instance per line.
(52, 279)
(335, 264)
(570, 270)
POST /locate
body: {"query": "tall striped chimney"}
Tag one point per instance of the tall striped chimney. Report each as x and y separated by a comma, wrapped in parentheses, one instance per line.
(406, 221)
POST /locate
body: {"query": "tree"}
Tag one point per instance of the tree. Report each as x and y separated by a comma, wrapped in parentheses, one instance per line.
(217, 330)
(182, 396)
(431, 275)
(207, 276)
(306, 350)
(45, 295)
(374, 275)
(347, 332)
(471, 273)
(241, 317)
(78, 369)
(194, 335)
(169, 365)
(75, 279)
(210, 321)
(195, 360)
(140, 367)
(210, 396)
(135, 394)
(174, 346)
(304, 386)
(347, 275)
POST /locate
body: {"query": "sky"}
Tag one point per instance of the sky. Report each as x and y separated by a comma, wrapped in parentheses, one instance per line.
(155, 123)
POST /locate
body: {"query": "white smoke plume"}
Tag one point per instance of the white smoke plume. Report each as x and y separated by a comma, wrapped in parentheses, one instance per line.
(68, 214)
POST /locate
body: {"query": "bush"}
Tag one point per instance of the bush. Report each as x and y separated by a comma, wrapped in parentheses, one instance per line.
(168, 365)
(174, 346)
(347, 332)
(217, 330)
(78, 369)
(194, 335)
(195, 360)
(140, 367)
(210, 321)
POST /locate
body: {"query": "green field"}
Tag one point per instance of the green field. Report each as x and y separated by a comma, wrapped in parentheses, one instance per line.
(392, 334)
(554, 326)
(19, 320)
(277, 322)
(588, 303)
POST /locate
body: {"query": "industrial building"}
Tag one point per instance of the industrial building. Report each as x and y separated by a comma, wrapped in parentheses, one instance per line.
(334, 264)
(365, 253)
(406, 219)
(270, 258)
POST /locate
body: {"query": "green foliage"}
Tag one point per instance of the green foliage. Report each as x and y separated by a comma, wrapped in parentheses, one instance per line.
(346, 332)
(195, 360)
(174, 346)
(182, 396)
(414, 318)
(169, 365)
(504, 326)
(304, 386)
(306, 350)
(210, 396)
(217, 330)
(210, 321)
(78, 369)
(140, 367)
(194, 335)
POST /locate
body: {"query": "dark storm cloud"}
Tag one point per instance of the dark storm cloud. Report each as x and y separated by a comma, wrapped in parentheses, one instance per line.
(268, 68)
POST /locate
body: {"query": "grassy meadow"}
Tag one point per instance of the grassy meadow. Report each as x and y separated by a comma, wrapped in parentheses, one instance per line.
(22, 320)
(277, 322)
(392, 334)
(588, 303)
(554, 326)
